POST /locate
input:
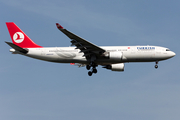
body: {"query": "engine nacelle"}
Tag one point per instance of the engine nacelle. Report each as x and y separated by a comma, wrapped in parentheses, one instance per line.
(115, 67)
(114, 55)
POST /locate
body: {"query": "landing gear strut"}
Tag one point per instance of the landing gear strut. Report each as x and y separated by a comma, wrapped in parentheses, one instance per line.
(156, 66)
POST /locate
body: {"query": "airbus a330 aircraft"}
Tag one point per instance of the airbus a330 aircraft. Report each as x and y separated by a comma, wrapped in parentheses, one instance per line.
(85, 53)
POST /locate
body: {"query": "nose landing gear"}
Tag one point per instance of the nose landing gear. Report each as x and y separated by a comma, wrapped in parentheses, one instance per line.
(156, 66)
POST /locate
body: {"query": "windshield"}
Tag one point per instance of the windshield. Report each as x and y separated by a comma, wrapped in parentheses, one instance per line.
(167, 49)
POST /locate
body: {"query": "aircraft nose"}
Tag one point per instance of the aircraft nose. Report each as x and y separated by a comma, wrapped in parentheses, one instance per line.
(173, 54)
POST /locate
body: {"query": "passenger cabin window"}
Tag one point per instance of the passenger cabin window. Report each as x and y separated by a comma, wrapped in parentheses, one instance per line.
(167, 49)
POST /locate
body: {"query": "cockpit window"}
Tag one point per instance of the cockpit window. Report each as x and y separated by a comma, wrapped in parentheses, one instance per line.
(167, 49)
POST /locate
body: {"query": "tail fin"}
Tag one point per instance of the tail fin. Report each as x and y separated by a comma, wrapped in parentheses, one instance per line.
(19, 38)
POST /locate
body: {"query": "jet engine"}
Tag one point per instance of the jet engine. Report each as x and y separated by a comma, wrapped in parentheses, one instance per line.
(115, 67)
(114, 55)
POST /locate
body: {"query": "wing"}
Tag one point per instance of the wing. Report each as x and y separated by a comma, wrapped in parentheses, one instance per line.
(86, 47)
(78, 64)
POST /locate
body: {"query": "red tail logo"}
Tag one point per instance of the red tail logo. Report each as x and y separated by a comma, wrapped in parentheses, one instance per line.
(19, 38)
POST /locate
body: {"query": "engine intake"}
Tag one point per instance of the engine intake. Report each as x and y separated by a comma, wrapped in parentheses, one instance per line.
(115, 67)
(114, 55)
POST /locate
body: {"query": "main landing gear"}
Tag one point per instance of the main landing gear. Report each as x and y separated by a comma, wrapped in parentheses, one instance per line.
(93, 70)
(156, 66)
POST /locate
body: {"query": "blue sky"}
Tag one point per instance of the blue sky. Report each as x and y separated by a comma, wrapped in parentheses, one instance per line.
(34, 89)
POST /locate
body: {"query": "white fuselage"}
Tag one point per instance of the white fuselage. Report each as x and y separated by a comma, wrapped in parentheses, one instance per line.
(129, 54)
(85, 53)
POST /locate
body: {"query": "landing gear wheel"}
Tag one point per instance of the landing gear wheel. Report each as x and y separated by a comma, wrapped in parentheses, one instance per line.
(88, 67)
(94, 70)
(90, 73)
(92, 65)
(156, 66)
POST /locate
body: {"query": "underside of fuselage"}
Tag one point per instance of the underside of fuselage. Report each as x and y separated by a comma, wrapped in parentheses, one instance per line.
(101, 61)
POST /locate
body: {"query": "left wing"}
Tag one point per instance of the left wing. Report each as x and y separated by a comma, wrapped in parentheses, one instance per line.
(78, 64)
(86, 47)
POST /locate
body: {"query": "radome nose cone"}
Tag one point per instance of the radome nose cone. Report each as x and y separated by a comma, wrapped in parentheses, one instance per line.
(173, 54)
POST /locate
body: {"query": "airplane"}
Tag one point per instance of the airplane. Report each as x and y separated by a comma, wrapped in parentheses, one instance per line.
(85, 53)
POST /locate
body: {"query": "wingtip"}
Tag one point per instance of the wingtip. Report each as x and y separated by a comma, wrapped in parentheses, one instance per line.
(59, 26)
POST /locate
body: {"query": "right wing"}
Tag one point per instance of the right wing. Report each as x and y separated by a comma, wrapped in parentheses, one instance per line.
(85, 46)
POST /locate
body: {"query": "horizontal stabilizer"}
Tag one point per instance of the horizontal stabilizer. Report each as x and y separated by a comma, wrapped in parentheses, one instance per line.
(17, 48)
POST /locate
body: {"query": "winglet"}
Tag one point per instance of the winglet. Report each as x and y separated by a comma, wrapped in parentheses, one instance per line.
(59, 26)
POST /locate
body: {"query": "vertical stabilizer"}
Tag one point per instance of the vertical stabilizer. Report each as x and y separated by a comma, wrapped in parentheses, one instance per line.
(19, 38)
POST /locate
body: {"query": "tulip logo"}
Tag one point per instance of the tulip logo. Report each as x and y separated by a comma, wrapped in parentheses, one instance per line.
(18, 37)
